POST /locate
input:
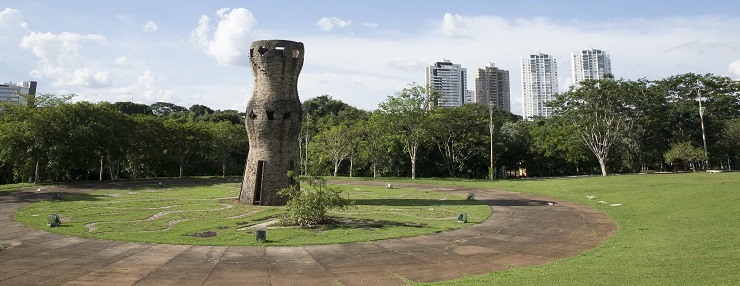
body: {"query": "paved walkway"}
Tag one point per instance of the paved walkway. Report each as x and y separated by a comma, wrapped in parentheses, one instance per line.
(524, 230)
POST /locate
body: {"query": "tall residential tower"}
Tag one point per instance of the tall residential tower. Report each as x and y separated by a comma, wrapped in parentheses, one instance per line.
(539, 84)
(590, 64)
(492, 87)
(450, 81)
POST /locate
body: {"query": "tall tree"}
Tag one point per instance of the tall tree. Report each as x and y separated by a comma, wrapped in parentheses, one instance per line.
(600, 112)
(408, 113)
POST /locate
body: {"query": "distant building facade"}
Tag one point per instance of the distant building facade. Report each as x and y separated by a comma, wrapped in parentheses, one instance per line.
(492, 87)
(590, 64)
(13, 92)
(450, 82)
(539, 84)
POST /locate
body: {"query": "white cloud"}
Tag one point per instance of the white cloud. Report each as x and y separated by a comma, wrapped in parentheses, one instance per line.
(735, 68)
(121, 60)
(12, 26)
(229, 43)
(145, 89)
(58, 59)
(408, 65)
(370, 25)
(150, 26)
(454, 25)
(329, 23)
(644, 50)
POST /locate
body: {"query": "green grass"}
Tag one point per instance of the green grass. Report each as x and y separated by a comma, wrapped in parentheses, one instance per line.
(193, 215)
(16, 187)
(675, 229)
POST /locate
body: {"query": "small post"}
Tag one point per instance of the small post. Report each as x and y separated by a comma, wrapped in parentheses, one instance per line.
(389, 186)
(463, 218)
(261, 235)
(53, 220)
(471, 197)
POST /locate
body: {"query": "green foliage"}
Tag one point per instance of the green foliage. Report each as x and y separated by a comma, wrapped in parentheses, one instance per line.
(684, 152)
(308, 206)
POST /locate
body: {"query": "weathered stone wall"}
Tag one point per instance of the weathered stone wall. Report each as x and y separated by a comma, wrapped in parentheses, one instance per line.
(273, 121)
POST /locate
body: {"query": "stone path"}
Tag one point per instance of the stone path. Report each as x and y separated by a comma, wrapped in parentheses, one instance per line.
(524, 230)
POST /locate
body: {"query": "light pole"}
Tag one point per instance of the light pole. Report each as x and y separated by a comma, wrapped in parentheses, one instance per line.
(701, 118)
(490, 129)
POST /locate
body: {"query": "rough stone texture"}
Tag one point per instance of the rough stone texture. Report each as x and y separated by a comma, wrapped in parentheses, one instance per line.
(273, 121)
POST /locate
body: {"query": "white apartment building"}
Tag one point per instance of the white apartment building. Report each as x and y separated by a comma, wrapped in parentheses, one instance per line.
(492, 87)
(11, 92)
(539, 84)
(590, 64)
(449, 81)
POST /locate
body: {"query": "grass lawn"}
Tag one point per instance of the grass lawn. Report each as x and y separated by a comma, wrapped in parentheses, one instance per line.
(675, 229)
(15, 187)
(208, 215)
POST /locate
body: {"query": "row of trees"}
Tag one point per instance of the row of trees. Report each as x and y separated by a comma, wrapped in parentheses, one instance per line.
(55, 140)
(599, 126)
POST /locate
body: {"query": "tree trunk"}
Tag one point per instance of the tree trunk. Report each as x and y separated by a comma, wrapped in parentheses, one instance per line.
(36, 174)
(336, 167)
(223, 168)
(101, 168)
(602, 162)
(181, 168)
(351, 163)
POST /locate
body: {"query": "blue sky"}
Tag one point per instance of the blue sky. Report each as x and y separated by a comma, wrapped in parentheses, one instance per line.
(360, 52)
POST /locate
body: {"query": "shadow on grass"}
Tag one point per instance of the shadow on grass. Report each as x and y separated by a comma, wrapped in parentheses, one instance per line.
(363, 224)
(149, 183)
(31, 197)
(426, 202)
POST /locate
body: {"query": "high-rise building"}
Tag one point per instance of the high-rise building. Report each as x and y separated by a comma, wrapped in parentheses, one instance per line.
(539, 84)
(590, 64)
(492, 87)
(449, 81)
(13, 92)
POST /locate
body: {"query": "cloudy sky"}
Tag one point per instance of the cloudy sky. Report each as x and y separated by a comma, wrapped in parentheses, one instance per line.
(360, 52)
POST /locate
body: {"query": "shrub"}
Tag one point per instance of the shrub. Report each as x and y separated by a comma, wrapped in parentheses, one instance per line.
(308, 206)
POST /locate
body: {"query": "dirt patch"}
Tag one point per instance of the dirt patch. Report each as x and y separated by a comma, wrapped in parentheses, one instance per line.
(206, 234)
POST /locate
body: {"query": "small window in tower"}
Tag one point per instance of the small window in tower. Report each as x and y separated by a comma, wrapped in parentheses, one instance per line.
(296, 54)
(286, 115)
(252, 115)
(280, 48)
(271, 115)
(262, 50)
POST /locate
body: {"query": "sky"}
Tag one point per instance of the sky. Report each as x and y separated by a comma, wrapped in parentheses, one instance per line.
(359, 52)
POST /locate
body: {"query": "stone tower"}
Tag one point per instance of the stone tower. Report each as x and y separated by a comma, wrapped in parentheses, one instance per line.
(273, 121)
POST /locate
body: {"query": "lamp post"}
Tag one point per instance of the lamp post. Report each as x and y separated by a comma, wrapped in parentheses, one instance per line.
(701, 118)
(490, 129)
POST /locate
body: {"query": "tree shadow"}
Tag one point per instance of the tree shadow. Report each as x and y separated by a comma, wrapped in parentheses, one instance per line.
(32, 197)
(428, 202)
(150, 183)
(417, 202)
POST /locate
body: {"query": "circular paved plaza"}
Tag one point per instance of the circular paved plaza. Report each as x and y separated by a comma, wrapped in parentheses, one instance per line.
(524, 230)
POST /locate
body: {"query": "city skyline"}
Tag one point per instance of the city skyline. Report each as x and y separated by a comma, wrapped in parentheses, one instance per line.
(359, 52)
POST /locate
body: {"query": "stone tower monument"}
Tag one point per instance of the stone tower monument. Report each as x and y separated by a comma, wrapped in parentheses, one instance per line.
(273, 121)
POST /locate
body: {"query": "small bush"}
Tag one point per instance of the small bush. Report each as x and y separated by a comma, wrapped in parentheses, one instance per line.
(308, 206)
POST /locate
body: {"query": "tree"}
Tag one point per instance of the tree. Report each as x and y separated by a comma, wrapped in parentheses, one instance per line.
(684, 152)
(333, 144)
(600, 112)
(165, 109)
(408, 113)
(461, 133)
(227, 139)
(131, 108)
